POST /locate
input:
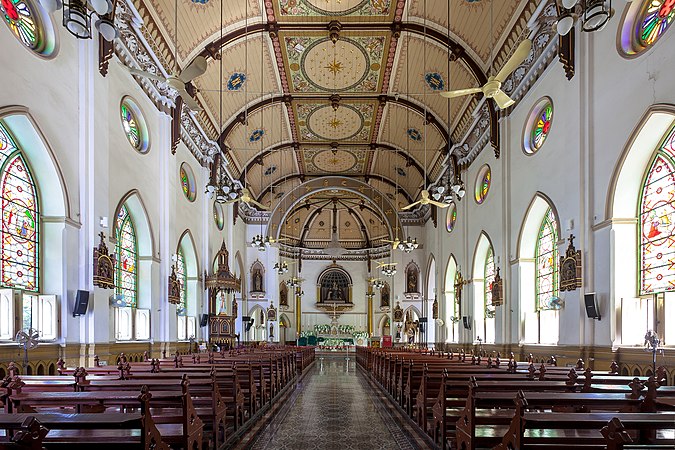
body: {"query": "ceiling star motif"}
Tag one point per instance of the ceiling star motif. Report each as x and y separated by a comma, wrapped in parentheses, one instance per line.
(313, 63)
(318, 122)
(349, 162)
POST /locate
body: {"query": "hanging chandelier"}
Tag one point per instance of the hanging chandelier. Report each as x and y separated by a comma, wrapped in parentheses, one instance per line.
(594, 15)
(220, 185)
(281, 268)
(259, 242)
(378, 284)
(389, 271)
(408, 245)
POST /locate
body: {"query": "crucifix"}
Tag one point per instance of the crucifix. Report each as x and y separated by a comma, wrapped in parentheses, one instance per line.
(459, 285)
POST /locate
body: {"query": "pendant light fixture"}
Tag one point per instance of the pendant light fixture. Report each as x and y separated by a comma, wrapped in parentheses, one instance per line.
(78, 14)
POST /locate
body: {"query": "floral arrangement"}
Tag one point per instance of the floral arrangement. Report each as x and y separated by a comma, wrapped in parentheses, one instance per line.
(360, 335)
(322, 329)
(333, 343)
(307, 333)
(345, 329)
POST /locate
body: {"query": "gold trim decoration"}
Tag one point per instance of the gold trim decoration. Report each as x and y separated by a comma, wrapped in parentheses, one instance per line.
(174, 287)
(570, 268)
(497, 290)
(104, 266)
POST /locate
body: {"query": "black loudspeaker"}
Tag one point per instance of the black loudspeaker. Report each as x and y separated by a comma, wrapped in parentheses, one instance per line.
(81, 303)
(591, 306)
(204, 321)
(466, 320)
(249, 324)
(423, 324)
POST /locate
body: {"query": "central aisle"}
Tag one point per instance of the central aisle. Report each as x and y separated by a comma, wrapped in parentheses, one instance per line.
(334, 407)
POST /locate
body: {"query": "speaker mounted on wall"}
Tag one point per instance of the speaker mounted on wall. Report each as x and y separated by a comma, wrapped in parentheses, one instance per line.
(591, 306)
(466, 321)
(81, 303)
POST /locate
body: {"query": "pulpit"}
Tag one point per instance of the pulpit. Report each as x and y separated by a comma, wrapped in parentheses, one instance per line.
(222, 285)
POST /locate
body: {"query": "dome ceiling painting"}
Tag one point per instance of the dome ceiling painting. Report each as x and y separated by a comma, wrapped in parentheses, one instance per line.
(316, 88)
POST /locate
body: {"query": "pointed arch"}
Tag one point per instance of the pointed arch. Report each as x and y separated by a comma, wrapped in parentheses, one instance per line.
(136, 207)
(450, 305)
(186, 242)
(187, 271)
(538, 261)
(384, 325)
(482, 276)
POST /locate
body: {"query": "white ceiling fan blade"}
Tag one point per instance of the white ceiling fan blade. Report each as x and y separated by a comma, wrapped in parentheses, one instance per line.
(412, 205)
(259, 205)
(503, 100)
(515, 60)
(195, 69)
(461, 92)
(144, 74)
(189, 100)
(438, 204)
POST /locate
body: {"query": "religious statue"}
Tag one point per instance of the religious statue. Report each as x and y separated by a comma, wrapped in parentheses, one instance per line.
(283, 296)
(412, 281)
(222, 302)
(271, 331)
(398, 332)
(257, 281)
(234, 308)
(434, 309)
(335, 293)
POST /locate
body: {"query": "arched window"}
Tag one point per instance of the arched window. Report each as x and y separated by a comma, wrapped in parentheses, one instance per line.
(657, 222)
(20, 219)
(181, 273)
(126, 253)
(487, 285)
(546, 279)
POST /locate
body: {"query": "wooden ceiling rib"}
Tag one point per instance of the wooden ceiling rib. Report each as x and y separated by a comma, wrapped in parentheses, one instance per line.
(376, 35)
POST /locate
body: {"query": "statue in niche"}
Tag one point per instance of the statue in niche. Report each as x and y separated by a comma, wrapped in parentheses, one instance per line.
(412, 281)
(335, 293)
(234, 308)
(384, 296)
(262, 317)
(221, 301)
(257, 281)
(271, 331)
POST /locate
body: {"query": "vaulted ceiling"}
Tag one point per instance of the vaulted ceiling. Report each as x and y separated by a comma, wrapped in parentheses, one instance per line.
(287, 103)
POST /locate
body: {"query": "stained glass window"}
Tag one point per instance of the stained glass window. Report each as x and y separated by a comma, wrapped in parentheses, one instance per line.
(488, 281)
(546, 263)
(25, 21)
(657, 222)
(130, 125)
(126, 254)
(542, 126)
(20, 219)
(134, 125)
(218, 215)
(655, 18)
(451, 217)
(187, 182)
(483, 183)
(181, 274)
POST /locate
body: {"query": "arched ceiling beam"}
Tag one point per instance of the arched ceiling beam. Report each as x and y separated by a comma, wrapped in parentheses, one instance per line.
(456, 49)
(260, 157)
(356, 217)
(302, 178)
(288, 98)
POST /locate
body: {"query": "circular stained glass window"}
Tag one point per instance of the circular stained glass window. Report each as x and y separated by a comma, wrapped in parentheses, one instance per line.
(133, 124)
(451, 217)
(30, 24)
(483, 181)
(218, 215)
(187, 182)
(538, 126)
(644, 23)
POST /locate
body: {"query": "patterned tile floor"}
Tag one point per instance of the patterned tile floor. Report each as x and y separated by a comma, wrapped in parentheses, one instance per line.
(334, 407)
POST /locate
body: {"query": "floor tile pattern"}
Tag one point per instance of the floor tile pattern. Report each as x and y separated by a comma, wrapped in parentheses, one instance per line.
(334, 408)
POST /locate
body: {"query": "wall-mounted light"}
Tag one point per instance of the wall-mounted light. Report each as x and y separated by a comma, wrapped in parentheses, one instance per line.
(596, 15)
(77, 16)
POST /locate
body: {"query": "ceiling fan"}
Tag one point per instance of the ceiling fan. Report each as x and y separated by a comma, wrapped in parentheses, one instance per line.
(247, 198)
(493, 88)
(426, 200)
(381, 264)
(393, 243)
(179, 81)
